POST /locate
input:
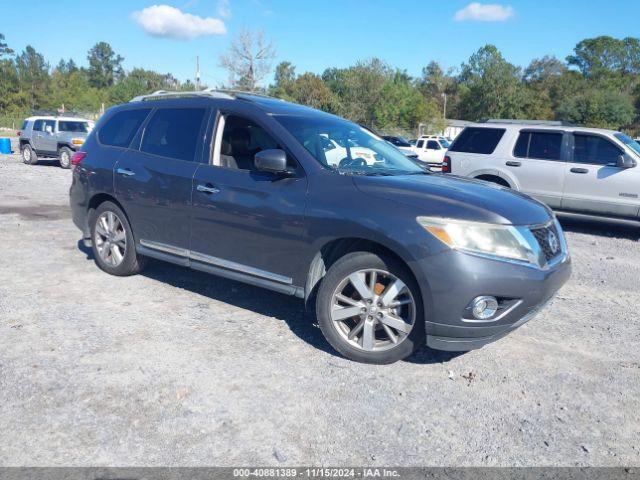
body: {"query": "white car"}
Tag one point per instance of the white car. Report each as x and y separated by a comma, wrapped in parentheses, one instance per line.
(431, 149)
(584, 170)
(334, 152)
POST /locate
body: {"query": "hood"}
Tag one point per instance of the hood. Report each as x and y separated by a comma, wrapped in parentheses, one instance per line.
(456, 198)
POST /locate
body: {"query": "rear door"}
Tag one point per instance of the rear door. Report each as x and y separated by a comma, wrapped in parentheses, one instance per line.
(538, 162)
(153, 180)
(594, 181)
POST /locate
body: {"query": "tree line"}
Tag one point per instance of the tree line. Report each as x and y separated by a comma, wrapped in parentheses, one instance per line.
(598, 85)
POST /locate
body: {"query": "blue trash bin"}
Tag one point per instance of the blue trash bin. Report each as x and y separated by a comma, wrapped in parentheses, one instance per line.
(5, 145)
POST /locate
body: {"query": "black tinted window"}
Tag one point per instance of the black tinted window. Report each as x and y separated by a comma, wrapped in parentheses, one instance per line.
(433, 145)
(595, 150)
(539, 145)
(477, 140)
(122, 127)
(72, 126)
(420, 144)
(38, 126)
(173, 132)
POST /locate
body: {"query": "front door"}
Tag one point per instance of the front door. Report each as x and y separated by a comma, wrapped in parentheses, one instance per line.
(244, 220)
(48, 141)
(595, 183)
(154, 181)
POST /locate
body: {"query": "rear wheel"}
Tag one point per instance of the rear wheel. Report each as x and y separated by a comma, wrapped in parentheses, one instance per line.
(29, 155)
(369, 309)
(112, 242)
(64, 157)
(494, 179)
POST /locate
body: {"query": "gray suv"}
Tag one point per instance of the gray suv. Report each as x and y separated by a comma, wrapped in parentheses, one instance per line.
(251, 188)
(52, 137)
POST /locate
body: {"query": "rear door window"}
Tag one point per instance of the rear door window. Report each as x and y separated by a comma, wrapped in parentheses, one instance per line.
(539, 145)
(122, 127)
(72, 126)
(173, 133)
(594, 150)
(477, 140)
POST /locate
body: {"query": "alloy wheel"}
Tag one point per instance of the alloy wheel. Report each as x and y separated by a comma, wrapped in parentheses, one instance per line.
(373, 310)
(64, 158)
(26, 154)
(110, 238)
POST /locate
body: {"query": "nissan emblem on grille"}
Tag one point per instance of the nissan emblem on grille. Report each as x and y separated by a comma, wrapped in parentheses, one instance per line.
(552, 238)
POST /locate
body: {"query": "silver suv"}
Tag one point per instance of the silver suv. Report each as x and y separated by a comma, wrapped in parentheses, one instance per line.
(584, 170)
(52, 137)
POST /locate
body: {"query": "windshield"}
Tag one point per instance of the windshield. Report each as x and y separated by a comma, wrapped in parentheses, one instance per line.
(70, 126)
(346, 147)
(628, 141)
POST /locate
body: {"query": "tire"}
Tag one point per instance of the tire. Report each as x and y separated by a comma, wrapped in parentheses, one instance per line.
(29, 156)
(379, 315)
(115, 237)
(64, 157)
(494, 179)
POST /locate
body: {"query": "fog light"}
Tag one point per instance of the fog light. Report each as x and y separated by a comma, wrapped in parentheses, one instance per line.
(484, 308)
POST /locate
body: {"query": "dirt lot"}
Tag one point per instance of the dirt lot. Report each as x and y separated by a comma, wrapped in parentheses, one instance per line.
(175, 367)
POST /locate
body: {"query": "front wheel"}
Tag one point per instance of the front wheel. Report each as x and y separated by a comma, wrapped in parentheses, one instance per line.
(64, 157)
(369, 309)
(112, 242)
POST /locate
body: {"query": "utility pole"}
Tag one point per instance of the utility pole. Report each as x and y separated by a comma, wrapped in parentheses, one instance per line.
(197, 73)
(444, 113)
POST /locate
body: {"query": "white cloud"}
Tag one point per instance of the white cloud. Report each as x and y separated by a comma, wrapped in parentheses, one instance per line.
(484, 12)
(170, 22)
(224, 8)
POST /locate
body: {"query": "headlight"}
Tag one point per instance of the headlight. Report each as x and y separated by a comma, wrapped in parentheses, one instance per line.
(487, 239)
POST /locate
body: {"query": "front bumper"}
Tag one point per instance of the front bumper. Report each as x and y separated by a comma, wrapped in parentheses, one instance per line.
(456, 278)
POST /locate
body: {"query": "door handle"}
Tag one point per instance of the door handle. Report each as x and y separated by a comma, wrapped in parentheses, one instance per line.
(513, 164)
(579, 170)
(208, 188)
(125, 171)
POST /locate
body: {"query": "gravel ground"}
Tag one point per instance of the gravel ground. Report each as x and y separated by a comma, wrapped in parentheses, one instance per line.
(175, 367)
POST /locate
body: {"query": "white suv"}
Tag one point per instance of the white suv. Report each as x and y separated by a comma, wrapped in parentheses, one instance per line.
(584, 170)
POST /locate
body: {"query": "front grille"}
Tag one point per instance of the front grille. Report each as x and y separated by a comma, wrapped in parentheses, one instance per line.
(544, 237)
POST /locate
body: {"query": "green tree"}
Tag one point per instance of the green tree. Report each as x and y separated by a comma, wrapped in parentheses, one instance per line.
(105, 66)
(492, 87)
(5, 51)
(284, 78)
(598, 108)
(309, 89)
(33, 75)
(604, 55)
(402, 106)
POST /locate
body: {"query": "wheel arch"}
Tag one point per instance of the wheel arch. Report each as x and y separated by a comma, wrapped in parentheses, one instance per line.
(498, 174)
(98, 199)
(335, 249)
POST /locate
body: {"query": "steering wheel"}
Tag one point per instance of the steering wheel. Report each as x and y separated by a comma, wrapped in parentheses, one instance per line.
(352, 162)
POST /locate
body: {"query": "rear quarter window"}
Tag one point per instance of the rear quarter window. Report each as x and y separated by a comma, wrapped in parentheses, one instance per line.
(477, 140)
(119, 130)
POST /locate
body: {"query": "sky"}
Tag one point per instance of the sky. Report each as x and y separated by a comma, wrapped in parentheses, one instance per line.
(167, 36)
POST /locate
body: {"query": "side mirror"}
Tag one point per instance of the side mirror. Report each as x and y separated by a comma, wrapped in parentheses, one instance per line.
(48, 129)
(272, 161)
(626, 161)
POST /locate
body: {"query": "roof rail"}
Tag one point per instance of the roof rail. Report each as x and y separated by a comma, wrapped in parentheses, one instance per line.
(163, 94)
(530, 122)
